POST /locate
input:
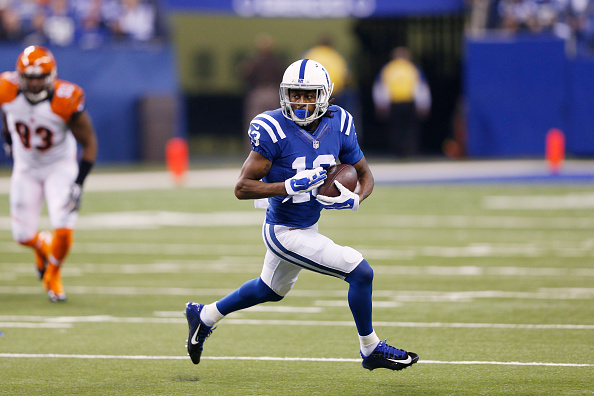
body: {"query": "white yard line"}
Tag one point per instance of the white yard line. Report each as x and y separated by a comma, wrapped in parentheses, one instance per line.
(251, 264)
(576, 249)
(29, 321)
(401, 295)
(157, 219)
(273, 359)
(540, 202)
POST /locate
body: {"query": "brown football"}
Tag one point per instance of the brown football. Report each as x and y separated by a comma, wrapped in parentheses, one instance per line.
(345, 174)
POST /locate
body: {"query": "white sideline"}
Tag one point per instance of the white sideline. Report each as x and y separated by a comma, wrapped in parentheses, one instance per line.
(274, 359)
(383, 173)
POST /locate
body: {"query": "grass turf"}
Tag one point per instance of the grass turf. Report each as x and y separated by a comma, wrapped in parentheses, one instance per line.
(476, 285)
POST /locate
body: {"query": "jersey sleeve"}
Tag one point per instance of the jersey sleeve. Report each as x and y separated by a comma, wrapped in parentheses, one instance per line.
(350, 152)
(265, 132)
(9, 87)
(68, 100)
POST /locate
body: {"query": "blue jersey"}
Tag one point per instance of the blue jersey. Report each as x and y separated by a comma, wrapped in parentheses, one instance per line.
(292, 149)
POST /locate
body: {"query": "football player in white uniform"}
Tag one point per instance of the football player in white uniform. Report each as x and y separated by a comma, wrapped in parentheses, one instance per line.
(43, 118)
(291, 149)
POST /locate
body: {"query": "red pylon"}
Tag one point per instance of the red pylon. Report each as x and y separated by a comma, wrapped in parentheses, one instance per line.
(555, 149)
(177, 158)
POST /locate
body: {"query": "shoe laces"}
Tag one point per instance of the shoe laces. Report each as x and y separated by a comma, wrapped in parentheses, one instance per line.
(203, 334)
(388, 351)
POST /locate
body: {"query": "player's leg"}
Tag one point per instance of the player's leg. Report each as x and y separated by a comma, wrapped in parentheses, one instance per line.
(26, 201)
(57, 190)
(202, 318)
(276, 280)
(375, 353)
(311, 250)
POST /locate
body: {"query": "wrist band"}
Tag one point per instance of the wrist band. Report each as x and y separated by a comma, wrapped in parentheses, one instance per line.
(84, 167)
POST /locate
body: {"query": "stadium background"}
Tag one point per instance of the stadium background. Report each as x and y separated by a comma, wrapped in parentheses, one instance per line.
(484, 267)
(498, 94)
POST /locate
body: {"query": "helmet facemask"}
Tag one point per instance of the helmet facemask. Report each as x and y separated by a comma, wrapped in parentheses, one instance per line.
(43, 93)
(304, 117)
(305, 75)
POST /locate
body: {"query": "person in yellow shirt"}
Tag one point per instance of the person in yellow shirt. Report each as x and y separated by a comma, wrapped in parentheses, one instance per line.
(336, 65)
(333, 61)
(402, 98)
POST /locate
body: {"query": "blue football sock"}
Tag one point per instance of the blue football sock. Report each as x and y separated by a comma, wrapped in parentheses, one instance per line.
(360, 282)
(251, 293)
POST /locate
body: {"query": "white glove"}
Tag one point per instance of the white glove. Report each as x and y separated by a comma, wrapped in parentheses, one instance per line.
(346, 200)
(74, 198)
(305, 181)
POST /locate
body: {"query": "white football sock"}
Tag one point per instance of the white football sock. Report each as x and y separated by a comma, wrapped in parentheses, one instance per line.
(210, 315)
(368, 343)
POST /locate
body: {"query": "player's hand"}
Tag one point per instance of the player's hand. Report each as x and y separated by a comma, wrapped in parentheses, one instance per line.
(7, 149)
(74, 198)
(305, 181)
(346, 200)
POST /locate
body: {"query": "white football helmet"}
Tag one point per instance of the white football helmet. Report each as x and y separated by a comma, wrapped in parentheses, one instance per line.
(305, 74)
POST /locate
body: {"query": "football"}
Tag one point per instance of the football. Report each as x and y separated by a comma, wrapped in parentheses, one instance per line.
(344, 173)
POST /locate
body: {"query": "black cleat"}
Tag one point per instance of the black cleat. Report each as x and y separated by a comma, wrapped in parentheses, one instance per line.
(198, 331)
(386, 356)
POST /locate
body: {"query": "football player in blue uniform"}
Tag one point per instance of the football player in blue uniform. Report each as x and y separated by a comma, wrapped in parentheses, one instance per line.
(291, 149)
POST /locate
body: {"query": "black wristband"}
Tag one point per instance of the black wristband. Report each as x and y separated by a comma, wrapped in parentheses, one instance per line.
(7, 138)
(84, 167)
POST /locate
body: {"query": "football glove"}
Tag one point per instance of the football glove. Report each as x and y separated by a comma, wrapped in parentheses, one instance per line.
(305, 181)
(74, 198)
(346, 200)
(7, 150)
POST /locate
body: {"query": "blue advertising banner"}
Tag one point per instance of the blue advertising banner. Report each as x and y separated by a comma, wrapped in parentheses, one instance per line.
(518, 88)
(318, 8)
(114, 81)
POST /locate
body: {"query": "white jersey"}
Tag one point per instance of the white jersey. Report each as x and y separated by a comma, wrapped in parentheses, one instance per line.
(40, 132)
(44, 152)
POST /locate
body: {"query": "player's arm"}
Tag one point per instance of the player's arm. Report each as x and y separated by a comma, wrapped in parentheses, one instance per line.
(7, 144)
(256, 166)
(365, 179)
(351, 199)
(250, 186)
(82, 129)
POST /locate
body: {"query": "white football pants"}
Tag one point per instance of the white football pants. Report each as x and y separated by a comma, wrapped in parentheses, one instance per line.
(29, 187)
(289, 250)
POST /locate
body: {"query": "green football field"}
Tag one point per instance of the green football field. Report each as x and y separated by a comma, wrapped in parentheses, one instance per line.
(492, 285)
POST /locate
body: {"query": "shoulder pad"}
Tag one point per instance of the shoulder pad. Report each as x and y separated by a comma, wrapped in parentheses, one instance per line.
(68, 99)
(9, 86)
(269, 123)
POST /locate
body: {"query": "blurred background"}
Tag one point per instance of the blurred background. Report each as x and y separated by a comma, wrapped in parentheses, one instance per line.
(500, 73)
